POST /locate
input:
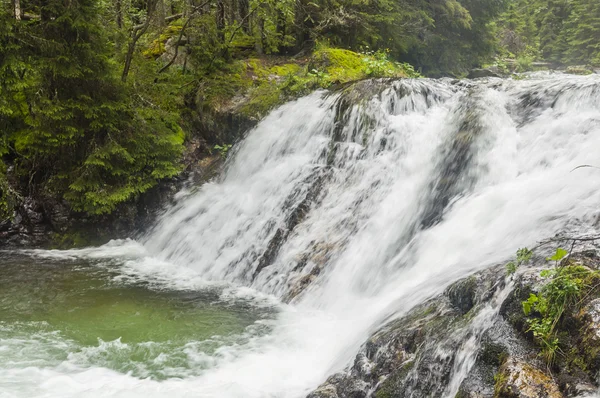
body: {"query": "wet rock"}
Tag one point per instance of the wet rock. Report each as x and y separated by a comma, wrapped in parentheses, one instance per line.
(573, 387)
(324, 391)
(471, 394)
(462, 294)
(417, 355)
(341, 386)
(59, 215)
(589, 316)
(518, 379)
(481, 73)
(587, 258)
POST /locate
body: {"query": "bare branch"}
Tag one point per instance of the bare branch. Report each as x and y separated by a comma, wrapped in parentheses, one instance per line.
(172, 60)
(585, 166)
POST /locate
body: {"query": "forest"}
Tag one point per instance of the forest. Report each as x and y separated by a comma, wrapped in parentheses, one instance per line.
(98, 97)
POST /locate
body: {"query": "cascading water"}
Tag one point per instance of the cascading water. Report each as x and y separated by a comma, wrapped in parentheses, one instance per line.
(345, 210)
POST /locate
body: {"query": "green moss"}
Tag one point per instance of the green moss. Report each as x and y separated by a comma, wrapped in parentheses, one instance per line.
(266, 83)
(500, 380)
(575, 361)
(392, 385)
(341, 65)
(262, 100)
(286, 70)
(157, 46)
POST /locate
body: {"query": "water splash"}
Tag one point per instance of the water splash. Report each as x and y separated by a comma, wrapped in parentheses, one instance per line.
(356, 207)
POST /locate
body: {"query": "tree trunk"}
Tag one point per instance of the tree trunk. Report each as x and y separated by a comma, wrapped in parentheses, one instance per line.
(119, 10)
(244, 9)
(17, 9)
(137, 32)
(128, 58)
(221, 20)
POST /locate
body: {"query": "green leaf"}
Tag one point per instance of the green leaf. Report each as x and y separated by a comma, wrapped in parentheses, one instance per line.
(524, 255)
(559, 255)
(511, 268)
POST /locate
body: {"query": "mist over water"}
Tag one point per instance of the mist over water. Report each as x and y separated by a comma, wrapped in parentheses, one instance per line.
(337, 213)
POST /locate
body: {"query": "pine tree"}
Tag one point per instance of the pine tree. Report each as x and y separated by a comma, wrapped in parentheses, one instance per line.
(81, 134)
(583, 33)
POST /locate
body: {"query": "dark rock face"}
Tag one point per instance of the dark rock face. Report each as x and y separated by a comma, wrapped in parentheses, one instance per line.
(41, 221)
(417, 355)
(414, 356)
(481, 73)
(462, 294)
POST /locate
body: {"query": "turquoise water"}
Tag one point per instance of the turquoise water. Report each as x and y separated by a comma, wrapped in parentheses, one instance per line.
(58, 312)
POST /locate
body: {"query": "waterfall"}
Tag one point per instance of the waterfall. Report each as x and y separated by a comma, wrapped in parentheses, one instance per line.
(349, 208)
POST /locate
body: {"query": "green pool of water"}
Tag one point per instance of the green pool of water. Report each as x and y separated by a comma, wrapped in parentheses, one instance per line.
(72, 312)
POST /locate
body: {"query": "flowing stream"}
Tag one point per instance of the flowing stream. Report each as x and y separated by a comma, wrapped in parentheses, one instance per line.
(337, 213)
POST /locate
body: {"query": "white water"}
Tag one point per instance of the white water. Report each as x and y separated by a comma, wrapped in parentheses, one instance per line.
(360, 228)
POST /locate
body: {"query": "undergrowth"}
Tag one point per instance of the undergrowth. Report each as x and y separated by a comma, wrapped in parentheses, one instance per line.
(566, 286)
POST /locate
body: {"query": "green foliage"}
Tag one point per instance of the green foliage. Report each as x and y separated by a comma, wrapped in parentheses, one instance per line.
(157, 47)
(266, 85)
(524, 63)
(558, 31)
(73, 129)
(377, 64)
(565, 287)
(223, 149)
(559, 255)
(7, 195)
(523, 257)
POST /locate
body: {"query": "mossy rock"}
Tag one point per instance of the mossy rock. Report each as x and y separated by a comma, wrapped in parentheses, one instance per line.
(578, 70)
(462, 294)
(518, 379)
(590, 334)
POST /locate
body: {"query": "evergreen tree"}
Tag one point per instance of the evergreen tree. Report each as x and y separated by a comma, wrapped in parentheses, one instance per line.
(582, 33)
(552, 38)
(80, 133)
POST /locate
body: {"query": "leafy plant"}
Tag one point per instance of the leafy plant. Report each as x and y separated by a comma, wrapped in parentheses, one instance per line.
(223, 149)
(545, 309)
(559, 255)
(523, 256)
(320, 77)
(377, 63)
